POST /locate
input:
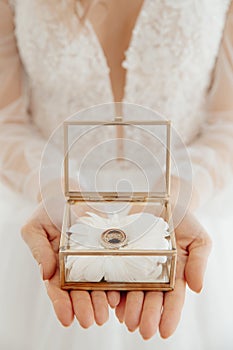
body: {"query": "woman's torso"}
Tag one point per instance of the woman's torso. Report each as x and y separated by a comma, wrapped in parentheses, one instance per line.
(168, 64)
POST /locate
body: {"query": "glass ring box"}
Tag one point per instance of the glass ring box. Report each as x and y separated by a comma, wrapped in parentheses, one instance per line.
(117, 231)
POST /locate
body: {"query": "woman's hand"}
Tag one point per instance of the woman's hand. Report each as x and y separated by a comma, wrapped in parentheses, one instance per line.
(151, 311)
(43, 237)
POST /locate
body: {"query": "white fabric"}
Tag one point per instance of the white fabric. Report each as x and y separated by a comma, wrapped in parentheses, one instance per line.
(27, 320)
(62, 72)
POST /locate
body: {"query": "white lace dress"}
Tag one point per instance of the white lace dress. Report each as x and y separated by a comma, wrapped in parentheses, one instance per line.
(180, 63)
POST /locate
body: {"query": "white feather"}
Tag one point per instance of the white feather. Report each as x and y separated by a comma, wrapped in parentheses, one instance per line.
(143, 230)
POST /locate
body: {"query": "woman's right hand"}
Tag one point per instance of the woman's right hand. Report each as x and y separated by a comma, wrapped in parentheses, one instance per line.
(43, 237)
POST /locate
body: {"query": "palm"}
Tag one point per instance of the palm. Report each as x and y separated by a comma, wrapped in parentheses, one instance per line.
(152, 310)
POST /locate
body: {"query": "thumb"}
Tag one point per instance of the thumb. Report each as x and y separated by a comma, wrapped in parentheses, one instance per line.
(41, 249)
(199, 251)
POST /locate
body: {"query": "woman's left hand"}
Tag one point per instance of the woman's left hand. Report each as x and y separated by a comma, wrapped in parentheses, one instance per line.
(150, 311)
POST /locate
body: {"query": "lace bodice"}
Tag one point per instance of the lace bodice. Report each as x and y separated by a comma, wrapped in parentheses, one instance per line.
(170, 66)
(67, 78)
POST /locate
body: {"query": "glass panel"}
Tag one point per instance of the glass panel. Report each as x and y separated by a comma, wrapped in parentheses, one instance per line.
(130, 269)
(135, 235)
(117, 158)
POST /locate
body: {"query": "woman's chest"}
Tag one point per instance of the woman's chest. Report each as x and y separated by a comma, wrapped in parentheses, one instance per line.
(113, 22)
(167, 36)
(168, 63)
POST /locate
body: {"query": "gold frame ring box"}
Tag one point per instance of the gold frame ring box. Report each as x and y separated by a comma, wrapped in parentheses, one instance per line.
(121, 236)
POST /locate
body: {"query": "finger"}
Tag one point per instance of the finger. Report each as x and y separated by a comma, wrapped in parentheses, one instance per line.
(172, 307)
(133, 309)
(83, 308)
(100, 306)
(120, 308)
(61, 301)
(151, 314)
(199, 251)
(113, 298)
(41, 249)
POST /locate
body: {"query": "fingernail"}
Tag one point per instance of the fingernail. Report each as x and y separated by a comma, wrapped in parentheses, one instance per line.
(120, 320)
(114, 302)
(41, 271)
(46, 283)
(131, 330)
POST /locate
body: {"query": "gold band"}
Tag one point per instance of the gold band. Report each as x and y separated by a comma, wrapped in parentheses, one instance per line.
(113, 238)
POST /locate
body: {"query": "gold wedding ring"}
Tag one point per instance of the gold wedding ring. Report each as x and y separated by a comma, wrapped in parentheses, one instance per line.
(113, 238)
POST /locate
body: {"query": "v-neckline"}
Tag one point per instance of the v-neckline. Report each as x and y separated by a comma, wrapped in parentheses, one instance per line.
(101, 52)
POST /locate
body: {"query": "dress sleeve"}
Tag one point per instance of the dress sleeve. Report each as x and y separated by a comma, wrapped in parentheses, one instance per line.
(21, 144)
(212, 151)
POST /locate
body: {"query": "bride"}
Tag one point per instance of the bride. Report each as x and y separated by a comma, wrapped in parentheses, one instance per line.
(58, 57)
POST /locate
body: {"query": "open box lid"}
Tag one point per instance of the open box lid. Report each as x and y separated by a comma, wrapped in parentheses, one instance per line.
(117, 160)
